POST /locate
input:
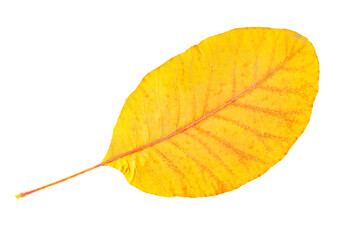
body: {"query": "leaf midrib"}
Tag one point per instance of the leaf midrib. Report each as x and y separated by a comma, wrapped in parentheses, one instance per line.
(265, 78)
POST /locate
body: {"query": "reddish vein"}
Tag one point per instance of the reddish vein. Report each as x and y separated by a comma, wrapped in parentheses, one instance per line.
(267, 76)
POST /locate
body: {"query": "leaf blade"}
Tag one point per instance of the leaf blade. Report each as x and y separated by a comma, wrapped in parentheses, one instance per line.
(196, 89)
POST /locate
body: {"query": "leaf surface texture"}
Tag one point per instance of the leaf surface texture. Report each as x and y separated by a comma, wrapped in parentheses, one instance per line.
(218, 115)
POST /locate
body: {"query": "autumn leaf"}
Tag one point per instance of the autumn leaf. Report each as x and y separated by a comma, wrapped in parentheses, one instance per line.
(216, 116)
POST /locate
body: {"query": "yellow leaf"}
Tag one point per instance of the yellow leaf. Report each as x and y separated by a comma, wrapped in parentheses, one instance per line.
(216, 116)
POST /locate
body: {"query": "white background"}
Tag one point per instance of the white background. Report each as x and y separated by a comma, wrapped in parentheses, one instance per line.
(66, 68)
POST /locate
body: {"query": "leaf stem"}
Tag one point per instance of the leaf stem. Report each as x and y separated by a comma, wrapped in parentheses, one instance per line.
(21, 195)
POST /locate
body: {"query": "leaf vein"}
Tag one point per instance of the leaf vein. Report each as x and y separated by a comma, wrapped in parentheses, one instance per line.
(212, 153)
(266, 77)
(203, 167)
